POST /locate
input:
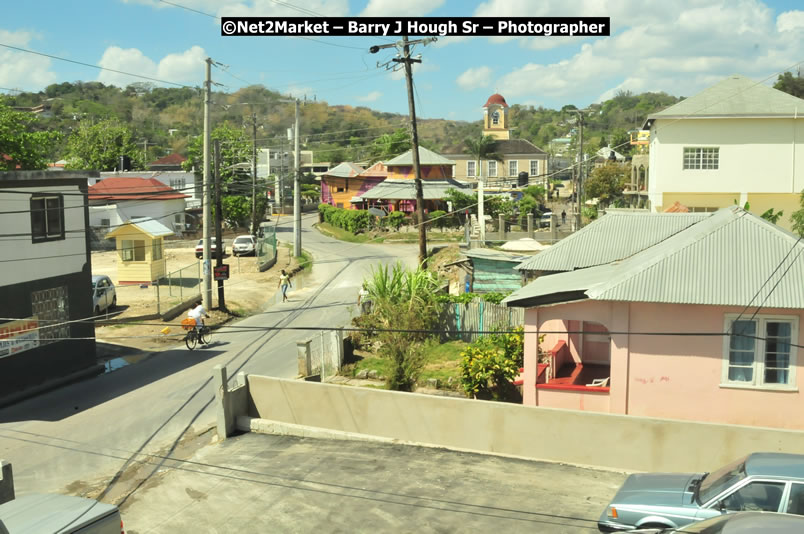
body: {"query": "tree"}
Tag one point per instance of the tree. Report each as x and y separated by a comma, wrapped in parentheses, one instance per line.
(798, 218)
(606, 183)
(389, 145)
(99, 146)
(19, 144)
(791, 85)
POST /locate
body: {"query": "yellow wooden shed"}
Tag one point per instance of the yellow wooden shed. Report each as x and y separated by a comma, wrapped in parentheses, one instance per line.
(140, 250)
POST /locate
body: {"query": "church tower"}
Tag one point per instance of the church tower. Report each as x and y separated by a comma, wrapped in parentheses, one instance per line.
(495, 117)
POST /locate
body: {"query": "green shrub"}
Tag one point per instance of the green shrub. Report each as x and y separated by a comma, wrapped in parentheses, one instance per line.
(490, 364)
(438, 218)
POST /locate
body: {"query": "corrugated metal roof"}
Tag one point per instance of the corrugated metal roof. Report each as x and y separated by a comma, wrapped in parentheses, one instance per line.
(615, 236)
(344, 170)
(426, 157)
(402, 189)
(491, 254)
(147, 225)
(723, 261)
(736, 96)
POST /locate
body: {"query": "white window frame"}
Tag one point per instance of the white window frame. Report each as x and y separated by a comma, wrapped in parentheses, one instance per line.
(534, 169)
(700, 158)
(758, 378)
(471, 170)
(492, 168)
(513, 167)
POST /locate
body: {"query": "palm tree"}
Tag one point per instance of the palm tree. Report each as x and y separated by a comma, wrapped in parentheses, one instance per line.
(482, 148)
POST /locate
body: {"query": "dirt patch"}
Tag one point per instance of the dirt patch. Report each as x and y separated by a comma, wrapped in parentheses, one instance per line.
(247, 291)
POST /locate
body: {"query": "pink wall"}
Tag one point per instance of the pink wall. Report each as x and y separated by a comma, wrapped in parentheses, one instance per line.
(574, 400)
(668, 380)
(675, 377)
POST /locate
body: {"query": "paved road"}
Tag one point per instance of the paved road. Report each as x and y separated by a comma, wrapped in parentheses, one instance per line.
(77, 438)
(261, 483)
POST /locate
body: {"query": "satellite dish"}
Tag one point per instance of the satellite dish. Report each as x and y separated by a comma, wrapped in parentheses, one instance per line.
(377, 212)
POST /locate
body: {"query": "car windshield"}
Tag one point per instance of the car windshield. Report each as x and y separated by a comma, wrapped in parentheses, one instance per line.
(243, 240)
(714, 483)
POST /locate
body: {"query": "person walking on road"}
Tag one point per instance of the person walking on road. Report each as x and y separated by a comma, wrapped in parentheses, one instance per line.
(284, 284)
(563, 217)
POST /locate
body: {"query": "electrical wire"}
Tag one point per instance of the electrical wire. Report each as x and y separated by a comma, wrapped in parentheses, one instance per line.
(96, 66)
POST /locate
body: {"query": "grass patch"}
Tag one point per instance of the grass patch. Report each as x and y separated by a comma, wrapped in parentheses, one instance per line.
(305, 260)
(413, 237)
(345, 235)
(443, 362)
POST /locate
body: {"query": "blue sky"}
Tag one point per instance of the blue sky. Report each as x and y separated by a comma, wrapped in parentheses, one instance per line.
(679, 47)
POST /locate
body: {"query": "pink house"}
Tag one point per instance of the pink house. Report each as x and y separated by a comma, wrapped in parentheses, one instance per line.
(683, 316)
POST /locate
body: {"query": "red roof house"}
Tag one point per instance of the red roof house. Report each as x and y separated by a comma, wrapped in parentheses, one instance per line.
(113, 189)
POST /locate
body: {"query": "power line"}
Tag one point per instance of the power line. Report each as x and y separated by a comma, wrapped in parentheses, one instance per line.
(95, 66)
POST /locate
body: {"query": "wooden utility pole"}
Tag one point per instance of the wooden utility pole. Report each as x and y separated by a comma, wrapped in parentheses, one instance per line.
(254, 174)
(406, 60)
(218, 217)
(206, 294)
(297, 240)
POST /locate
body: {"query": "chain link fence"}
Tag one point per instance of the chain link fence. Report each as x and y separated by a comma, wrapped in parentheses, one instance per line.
(178, 287)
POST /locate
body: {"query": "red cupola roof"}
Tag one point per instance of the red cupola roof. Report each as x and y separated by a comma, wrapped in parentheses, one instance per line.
(496, 98)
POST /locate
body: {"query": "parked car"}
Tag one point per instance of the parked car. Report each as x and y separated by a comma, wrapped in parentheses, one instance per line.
(213, 247)
(62, 514)
(104, 295)
(544, 220)
(243, 245)
(770, 482)
(739, 523)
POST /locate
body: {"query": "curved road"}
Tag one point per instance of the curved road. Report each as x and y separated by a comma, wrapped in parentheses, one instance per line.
(83, 436)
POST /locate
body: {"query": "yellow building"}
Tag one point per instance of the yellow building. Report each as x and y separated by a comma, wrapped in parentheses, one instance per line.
(340, 184)
(433, 166)
(140, 251)
(518, 155)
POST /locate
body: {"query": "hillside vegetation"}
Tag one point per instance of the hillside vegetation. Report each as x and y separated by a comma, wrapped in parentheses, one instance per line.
(166, 120)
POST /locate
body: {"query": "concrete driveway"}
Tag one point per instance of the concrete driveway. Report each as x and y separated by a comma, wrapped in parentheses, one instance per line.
(265, 483)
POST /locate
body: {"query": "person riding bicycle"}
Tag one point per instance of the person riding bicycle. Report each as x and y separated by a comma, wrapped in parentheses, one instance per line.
(198, 313)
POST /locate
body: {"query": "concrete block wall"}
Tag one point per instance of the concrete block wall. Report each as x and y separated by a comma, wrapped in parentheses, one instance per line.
(613, 441)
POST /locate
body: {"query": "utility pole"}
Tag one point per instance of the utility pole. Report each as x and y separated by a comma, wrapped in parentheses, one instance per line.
(206, 295)
(579, 184)
(297, 243)
(254, 174)
(218, 217)
(405, 45)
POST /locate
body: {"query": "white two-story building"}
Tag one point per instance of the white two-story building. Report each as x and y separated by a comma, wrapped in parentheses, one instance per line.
(737, 141)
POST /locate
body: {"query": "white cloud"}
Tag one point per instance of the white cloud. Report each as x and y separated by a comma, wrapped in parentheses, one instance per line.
(790, 21)
(680, 48)
(258, 8)
(21, 70)
(474, 78)
(371, 97)
(397, 8)
(184, 67)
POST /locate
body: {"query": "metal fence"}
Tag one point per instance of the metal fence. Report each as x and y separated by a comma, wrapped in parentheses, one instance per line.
(467, 319)
(178, 287)
(266, 247)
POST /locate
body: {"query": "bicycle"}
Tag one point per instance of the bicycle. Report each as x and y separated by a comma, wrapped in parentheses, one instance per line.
(196, 335)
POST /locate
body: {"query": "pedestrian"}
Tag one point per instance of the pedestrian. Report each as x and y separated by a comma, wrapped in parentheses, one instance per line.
(563, 217)
(284, 284)
(363, 300)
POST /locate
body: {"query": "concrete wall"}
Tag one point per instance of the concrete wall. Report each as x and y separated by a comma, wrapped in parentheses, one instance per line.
(605, 440)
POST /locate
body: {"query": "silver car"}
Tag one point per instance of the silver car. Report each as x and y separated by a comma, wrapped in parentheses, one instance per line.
(770, 482)
(104, 295)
